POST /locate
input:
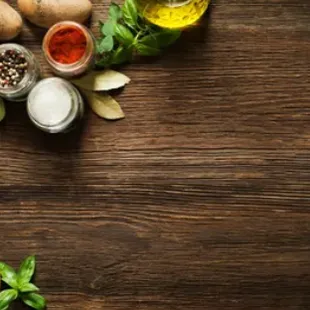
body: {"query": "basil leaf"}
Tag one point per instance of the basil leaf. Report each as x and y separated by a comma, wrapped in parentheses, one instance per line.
(34, 300)
(161, 39)
(6, 297)
(2, 110)
(106, 45)
(107, 29)
(121, 55)
(146, 50)
(115, 12)
(130, 13)
(9, 275)
(26, 270)
(28, 288)
(123, 34)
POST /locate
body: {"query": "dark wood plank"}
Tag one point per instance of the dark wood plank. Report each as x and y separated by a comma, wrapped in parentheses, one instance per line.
(199, 199)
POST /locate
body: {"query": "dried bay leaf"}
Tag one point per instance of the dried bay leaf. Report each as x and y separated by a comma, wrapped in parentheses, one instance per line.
(104, 105)
(102, 80)
(2, 109)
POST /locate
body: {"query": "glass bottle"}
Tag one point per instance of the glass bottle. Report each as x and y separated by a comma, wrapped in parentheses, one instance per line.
(173, 13)
(73, 69)
(54, 105)
(20, 91)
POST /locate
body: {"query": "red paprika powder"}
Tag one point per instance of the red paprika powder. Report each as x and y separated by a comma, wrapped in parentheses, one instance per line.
(67, 45)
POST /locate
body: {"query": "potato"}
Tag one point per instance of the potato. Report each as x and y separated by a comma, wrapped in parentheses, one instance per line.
(46, 13)
(10, 22)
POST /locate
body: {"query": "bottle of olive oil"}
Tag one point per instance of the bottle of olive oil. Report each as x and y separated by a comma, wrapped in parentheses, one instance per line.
(173, 13)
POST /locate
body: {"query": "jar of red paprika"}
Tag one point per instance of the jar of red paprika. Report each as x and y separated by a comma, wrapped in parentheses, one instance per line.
(69, 49)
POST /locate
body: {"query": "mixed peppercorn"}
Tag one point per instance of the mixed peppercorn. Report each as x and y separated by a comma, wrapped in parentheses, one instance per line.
(13, 67)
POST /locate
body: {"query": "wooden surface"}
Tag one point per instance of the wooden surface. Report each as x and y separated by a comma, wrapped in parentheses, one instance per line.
(199, 199)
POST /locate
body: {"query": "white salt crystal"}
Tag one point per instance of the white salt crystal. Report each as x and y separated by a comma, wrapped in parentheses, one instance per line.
(50, 103)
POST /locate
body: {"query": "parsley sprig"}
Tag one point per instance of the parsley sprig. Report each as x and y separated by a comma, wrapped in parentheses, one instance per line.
(127, 33)
(21, 286)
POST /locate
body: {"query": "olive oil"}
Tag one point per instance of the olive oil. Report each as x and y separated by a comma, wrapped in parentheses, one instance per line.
(173, 13)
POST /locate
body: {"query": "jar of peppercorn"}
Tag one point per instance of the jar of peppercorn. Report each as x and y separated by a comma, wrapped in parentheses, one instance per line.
(19, 72)
(69, 49)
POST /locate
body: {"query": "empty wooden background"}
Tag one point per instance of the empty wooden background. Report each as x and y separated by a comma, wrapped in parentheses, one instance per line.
(199, 199)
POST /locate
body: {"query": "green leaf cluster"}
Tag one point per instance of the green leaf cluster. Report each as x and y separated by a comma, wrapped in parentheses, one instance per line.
(126, 33)
(21, 286)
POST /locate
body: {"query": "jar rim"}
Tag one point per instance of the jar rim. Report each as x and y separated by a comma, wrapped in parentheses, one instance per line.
(87, 56)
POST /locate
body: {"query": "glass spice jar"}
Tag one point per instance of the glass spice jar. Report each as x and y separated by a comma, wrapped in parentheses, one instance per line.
(54, 105)
(69, 49)
(19, 72)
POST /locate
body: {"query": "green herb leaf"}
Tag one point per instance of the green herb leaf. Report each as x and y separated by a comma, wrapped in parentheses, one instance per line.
(130, 13)
(146, 50)
(6, 297)
(168, 37)
(2, 109)
(104, 61)
(161, 39)
(115, 12)
(26, 270)
(121, 55)
(106, 44)
(107, 29)
(34, 300)
(28, 288)
(9, 275)
(130, 30)
(123, 34)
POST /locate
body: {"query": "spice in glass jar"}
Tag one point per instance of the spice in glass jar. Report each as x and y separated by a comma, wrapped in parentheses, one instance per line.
(67, 45)
(69, 48)
(13, 67)
(54, 105)
(19, 72)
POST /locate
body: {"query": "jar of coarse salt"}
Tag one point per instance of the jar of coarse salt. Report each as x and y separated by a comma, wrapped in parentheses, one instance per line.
(54, 105)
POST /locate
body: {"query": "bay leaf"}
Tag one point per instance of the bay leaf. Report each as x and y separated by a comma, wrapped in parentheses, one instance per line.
(102, 80)
(2, 109)
(104, 105)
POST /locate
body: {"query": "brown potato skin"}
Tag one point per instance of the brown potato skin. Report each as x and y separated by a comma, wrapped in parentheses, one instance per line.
(46, 13)
(10, 22)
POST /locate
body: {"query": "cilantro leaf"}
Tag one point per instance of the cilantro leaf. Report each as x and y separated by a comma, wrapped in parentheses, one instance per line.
(105, 45)
(107, 29)
(115, 12)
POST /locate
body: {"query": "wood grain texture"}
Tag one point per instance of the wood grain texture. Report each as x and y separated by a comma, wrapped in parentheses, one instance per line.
(199, 199)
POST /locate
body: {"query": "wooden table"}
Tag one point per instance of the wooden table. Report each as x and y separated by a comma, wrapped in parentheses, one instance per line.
(199, 199)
